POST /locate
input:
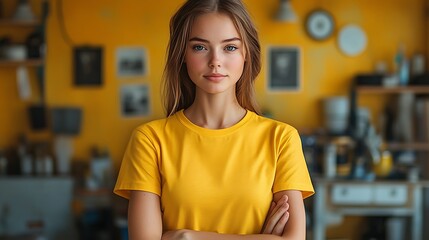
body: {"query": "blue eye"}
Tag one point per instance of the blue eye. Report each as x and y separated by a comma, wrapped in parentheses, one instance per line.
(198, 48)
(231, 48)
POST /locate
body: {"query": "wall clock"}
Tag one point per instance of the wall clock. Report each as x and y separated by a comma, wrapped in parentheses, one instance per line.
(319, 24)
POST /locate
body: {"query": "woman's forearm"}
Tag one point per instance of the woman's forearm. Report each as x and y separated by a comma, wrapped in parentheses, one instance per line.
(292, 230)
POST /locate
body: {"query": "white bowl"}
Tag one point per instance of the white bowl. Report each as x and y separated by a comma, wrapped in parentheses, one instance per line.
(14, 52)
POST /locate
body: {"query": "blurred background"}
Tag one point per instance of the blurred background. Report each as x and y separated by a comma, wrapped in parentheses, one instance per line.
(76, 77)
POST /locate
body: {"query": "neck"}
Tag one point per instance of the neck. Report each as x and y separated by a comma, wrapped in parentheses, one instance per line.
(215, 111)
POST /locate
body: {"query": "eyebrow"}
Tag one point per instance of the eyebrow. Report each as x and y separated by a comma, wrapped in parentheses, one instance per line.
(207, 41)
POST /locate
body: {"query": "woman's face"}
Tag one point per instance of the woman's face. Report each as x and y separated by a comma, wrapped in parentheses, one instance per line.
(214, 54)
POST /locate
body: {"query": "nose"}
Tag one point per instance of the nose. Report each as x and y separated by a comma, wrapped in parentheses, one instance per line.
(214, 60)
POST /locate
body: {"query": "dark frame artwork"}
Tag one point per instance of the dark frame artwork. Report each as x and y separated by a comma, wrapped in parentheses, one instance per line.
(88, 66)
(284, 72)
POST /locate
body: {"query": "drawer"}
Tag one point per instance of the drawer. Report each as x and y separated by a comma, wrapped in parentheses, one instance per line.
(351, 194)
(390, 194)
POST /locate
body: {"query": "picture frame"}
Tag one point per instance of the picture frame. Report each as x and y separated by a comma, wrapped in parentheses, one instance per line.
(284, 68)
(131, 62)
(66, 121)
(135, 100)
(88, 65)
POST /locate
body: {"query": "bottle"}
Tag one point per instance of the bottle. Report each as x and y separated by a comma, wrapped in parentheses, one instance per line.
(27, 165)
(3, 164)
(402, 66)
(48, 165)
(39, 166)
(383, 167)
(25, 158)
(22, 146)
(330, 160)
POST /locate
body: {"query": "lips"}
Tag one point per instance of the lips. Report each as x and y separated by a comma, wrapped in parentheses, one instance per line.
(215, 77)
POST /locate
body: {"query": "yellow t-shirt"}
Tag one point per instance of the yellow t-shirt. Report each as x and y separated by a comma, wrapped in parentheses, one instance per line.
(218, 180)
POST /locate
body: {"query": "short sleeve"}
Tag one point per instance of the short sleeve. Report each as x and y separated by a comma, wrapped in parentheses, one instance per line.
(291, 170)
(139, 168)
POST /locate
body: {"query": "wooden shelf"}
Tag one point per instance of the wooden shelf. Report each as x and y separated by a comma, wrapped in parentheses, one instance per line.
(17, 23)
(15, 63)
(418, 146)
(401, 89)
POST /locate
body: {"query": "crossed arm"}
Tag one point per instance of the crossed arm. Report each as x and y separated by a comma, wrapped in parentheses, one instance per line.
(145, 220)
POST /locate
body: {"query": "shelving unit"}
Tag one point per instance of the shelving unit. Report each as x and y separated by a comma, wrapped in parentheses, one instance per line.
(28, 24)
(22, 60)
(25, 62)
(397, 146)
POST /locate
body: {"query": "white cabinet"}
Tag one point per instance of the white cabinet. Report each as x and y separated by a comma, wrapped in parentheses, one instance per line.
(391, 194)
(380, 194)
(46, 200)
(351, 195)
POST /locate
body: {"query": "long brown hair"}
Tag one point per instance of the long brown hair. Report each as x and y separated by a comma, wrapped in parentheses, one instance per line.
(179, 90)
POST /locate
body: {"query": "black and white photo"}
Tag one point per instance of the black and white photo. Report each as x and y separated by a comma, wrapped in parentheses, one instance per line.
(135, 100)
(284, 69)
(131, 61)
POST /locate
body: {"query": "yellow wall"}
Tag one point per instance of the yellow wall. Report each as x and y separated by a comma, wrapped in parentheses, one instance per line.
(112, 23)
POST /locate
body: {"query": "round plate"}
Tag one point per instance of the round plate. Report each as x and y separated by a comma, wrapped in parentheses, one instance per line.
(352, 40)
(319, 24)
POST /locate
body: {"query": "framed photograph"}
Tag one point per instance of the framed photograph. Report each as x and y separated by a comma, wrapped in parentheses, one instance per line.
(88, 66)
(284, 72)
(131, 62)
(135, 100)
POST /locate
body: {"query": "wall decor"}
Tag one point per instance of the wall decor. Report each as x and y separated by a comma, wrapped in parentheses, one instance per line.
(319, 24)
(135, 100)
(131, 61)
(66, 121)
(352, 40)
(88, 66)
(284, 73)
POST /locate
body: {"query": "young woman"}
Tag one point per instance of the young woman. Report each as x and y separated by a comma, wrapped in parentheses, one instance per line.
(214, 168)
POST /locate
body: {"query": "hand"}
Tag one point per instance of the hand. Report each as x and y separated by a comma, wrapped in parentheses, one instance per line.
(277, 217)
(176, 235)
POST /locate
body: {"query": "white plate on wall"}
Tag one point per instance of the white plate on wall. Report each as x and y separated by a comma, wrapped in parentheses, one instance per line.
(352, 40)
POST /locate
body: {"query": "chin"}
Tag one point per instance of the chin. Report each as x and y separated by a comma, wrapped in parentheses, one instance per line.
(214, 90)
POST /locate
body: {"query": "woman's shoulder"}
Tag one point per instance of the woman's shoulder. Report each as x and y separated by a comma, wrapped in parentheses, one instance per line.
(276, 129)
(156, 125)
(274, 124)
